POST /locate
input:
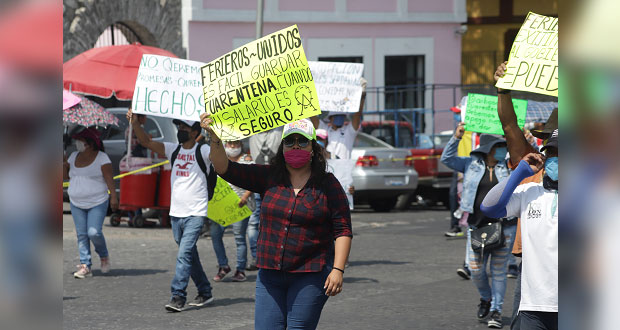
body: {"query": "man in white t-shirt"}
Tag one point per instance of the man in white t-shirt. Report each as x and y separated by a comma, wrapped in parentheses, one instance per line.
(341, 133)
(188, 206)
(537, 206)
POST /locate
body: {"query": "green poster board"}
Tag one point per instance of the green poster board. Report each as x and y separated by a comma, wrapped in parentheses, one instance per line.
(481, 114)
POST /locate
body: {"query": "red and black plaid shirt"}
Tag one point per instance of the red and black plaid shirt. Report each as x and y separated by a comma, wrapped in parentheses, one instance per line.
(297, 233)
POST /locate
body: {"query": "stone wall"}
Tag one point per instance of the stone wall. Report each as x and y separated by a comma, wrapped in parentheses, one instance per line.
(156, 22)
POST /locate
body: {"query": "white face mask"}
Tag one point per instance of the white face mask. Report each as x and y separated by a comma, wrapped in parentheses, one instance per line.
(80, 145)
(233, 152)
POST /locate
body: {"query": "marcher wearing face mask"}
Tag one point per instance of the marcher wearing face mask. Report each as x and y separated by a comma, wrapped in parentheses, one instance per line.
(537, 205)
(341, 130)
(89, 171)
(233, 151)
(305, 232)
(189, 198)
(485, 167)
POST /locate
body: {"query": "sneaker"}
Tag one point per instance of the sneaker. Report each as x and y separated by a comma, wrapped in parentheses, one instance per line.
(82, 272)
(221, 273)
(454, 232)
(239, 276)
(252, 265)
(201, 300)
(176, 304)
(464, 272)
(483, 308)
(513, 271)
(495, 321)
(105, 265)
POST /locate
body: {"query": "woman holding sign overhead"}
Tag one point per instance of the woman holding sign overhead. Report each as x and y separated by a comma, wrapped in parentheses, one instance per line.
(484, 168)
(305, 233)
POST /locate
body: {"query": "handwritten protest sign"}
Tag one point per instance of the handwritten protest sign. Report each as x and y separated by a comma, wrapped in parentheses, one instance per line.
(168, 87)
(481, 115)
(533, 60)
(338, 85)
(342, 170)
(260, 86)
(224, 206)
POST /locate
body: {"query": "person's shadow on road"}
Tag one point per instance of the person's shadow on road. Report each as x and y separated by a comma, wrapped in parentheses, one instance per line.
(221, 303)
(129, 272)
(375, 262)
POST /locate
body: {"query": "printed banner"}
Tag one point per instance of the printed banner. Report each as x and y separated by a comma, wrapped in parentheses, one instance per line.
(533, 60)
(262, 85)
(168, 87)
(338, 85)
(342, 170)
(224, 206)
(481, 115)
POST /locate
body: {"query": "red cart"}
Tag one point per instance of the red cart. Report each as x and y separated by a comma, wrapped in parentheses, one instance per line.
(148, 189)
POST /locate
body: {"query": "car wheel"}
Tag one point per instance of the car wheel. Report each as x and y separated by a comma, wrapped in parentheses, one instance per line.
(404, 201)
(383, 205)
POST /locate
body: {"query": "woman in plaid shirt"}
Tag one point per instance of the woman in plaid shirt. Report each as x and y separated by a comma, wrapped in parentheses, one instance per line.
(305, 227)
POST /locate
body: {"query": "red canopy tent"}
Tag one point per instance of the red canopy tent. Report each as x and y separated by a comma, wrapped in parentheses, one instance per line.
(107, 71)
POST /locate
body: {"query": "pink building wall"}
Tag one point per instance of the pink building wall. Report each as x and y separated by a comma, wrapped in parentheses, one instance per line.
(208, 38)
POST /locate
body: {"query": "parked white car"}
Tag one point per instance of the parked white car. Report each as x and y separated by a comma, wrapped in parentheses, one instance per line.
(382, 173)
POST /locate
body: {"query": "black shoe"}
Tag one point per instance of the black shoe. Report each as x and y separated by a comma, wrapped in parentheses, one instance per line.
(513, 271)
(454, 232)
(202, 300)
(483, 308)
(252, 265)
(496, 320)
(176, 304)
(464, 272)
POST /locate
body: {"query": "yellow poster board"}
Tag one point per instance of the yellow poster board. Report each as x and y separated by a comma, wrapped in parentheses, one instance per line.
(533, 60)
(262, 85)
(224, 206)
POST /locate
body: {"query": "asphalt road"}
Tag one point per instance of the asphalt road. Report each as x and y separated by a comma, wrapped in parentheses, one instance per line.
(402, 275)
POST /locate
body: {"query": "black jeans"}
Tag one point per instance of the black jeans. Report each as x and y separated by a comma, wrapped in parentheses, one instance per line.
(539, 320)
(454, 203)
(516, 319)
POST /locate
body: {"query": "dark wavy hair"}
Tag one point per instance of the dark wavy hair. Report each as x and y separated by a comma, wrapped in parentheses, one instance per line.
(318, 165)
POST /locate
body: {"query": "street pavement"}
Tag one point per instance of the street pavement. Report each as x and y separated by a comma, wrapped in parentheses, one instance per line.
(401, 275)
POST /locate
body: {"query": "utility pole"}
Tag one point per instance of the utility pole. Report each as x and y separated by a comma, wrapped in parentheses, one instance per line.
(260, 8)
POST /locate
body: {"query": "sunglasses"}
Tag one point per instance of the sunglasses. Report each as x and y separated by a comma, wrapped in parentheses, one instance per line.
(302, 141)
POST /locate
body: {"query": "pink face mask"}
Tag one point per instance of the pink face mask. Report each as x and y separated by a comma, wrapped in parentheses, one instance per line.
(297, 158)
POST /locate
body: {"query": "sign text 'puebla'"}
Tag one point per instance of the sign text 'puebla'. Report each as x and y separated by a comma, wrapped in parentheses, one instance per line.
(262, 85)
(533, 60)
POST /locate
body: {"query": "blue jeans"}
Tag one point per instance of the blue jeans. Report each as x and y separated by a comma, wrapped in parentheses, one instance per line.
(88, 225)
(239, 230)
(186, 232)
(253, 226)
(289, 300)
(499, 267)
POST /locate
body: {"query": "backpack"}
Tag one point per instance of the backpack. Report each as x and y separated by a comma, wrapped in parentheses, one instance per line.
(211, 177)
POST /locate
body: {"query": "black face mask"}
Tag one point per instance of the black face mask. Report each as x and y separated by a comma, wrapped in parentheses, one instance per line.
(183, 136)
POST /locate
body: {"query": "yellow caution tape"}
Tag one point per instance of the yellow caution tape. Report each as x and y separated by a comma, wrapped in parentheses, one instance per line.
(66, 184)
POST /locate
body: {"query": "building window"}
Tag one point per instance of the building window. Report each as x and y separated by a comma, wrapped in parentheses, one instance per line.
(404, 81)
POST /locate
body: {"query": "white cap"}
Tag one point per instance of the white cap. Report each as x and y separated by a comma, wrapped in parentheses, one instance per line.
(189, 123)
(302, 126)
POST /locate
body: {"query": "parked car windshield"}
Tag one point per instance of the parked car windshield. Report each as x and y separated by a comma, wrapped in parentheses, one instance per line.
(364, 140)
(438, 141)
